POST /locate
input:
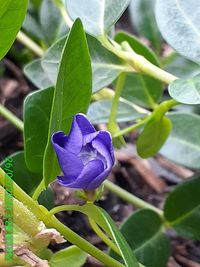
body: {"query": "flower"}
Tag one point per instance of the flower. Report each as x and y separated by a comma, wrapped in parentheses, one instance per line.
(85, 156)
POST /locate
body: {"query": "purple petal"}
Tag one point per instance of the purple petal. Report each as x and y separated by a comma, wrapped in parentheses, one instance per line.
(103, 144)
(80, 127)
(75, 138)
(92, 170)
(85, 126)
(70, 164)
(59, 138)
(106, 138)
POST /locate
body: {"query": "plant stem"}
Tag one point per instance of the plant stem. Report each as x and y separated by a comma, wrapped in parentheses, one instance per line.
(50, 221)
(39, 190)
(11, 117)
(25, 40)
(63, 12)
(103, 237)
(126, 196)
(131, 128)
(138, 62)
(115, 102)
(81, 243)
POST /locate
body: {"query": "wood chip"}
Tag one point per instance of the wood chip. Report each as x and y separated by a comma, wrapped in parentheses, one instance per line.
(178, 170)
(144, 169)
(186, 262)
(30, 258)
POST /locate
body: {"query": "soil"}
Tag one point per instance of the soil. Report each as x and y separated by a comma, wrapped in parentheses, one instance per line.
(150, 179)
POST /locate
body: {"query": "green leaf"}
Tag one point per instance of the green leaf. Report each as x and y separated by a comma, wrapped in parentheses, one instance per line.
(97, 16)
(32, 26)
(182, 67)
(46, 198)
(183, 144)
(37, 110)
(144, 233)
(154, 135)
(138, 88)
(50, 20)
(11, 20)
(178, 22)
(72, 256)
(186, 91)
(99, 111)
(143, 20)
(36, 74)
(72, 93)
(182, 208)
(105, 66)
(4, 5)
(50, 61)
(93, 212)
(142, 90)
(26, 179)
(126, 252)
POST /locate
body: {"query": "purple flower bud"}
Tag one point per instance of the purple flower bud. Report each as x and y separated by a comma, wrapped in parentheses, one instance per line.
(85, 156)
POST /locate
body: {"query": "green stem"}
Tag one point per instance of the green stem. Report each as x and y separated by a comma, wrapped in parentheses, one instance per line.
(25, 40)
(115, 102)
(138, 62)
(81, 243)
(131, 128)
(50, 221)
(103, 237)
(63, 12)
(39, 190)
(11, 117)
(126, 196)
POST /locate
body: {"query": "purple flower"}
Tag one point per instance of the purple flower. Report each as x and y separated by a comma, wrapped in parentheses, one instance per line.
(85, 156)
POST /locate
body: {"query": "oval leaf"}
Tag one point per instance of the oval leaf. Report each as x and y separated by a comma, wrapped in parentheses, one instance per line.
(182, 208)
(105, 66)
(186, 91)
(72, 256)
(11, 20)
(99, 112)
(37, 111)
(97, 16)
(178, 22)
(143, 20)
(144, 234)
(153, 136)
(36, 74)
(183, 144)
(21, 173)
(71, 95)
